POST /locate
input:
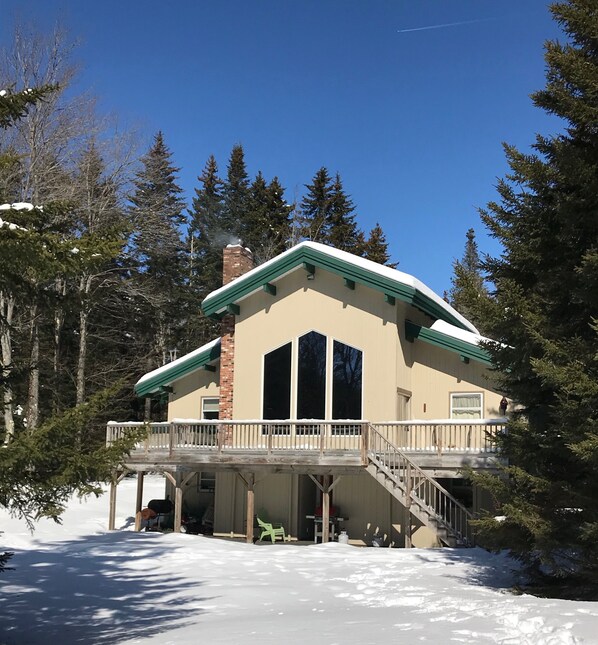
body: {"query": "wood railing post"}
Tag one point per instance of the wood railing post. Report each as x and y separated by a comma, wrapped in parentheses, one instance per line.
(408, 488)
(364, 443)
(170, 438)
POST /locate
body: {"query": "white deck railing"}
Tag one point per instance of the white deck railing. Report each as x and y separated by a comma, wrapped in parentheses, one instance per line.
(312, 436)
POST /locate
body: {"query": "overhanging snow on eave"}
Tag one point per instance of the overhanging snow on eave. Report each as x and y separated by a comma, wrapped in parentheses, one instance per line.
(342, 264)
(461, 347)
(167, 374)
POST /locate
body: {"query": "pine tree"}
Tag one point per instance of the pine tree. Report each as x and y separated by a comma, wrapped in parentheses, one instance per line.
(15, 105)
(40, 467)
(468, 291)
(267, 219)
(236, 195)
(342, 232)
(157, 215)
(315, 208)
(375, 248)
(157, 212)
(206, 230)
(206, 240)
(544, 319)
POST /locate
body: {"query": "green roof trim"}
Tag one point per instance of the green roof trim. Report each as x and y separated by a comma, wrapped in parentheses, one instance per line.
(159, 379)
(310, 258)
(467, 351)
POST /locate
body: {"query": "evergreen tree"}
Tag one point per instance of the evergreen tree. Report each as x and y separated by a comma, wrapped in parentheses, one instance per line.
(315, 208)
(236, 195)
(267, 219)
(157, 215)
(206, 240)
(544, 319)
(375, 248)
(342, 232)
(40, 467)
(468, 291)
(15, 105)
(206, 231)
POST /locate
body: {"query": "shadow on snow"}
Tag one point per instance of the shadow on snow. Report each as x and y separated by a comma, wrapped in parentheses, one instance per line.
(101, 589)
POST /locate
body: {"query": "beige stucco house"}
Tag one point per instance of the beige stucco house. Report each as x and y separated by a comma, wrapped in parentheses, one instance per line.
(341, 395)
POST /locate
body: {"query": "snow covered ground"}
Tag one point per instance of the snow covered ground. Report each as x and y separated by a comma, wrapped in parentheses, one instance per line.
(78, 583)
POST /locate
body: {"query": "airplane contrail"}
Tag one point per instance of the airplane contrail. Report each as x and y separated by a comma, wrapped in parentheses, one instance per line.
(446, 24)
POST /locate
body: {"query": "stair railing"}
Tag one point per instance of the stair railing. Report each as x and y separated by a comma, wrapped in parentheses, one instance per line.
(419, 488)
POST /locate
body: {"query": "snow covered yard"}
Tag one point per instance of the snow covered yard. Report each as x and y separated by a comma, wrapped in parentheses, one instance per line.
(77, 583)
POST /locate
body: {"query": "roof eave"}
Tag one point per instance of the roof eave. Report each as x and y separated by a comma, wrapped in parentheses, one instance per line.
(215, 304)
(433, 337)
(179, 370)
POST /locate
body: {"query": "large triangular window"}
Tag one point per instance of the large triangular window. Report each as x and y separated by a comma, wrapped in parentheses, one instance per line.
(323, 388)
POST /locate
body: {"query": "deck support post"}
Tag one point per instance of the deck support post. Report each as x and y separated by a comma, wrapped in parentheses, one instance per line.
(178, 499)
(249, 480)
(328, 483)
(250, 507)
(178, 481)
(139, 500)
(326, 508)
(116, 479)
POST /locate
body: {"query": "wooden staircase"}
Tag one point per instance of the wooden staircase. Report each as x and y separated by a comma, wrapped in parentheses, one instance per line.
(421, 494)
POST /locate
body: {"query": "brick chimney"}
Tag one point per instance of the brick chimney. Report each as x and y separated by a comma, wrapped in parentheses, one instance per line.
(236, 261)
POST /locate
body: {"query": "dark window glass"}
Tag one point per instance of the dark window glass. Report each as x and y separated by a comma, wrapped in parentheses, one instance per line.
(311, 377)
(277, 383)
(346, 382)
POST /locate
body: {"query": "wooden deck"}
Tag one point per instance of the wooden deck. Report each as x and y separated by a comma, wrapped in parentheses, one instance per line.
(306, 446)
(407, 455)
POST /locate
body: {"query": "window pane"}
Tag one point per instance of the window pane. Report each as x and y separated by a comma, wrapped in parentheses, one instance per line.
(466, 406)
(347, 382)
(311, 377)
(466, 401)
(209, 408)
(277, 383)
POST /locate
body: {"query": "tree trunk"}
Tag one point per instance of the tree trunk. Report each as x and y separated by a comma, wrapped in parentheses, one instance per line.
(7, 307)
(84, 288)
(33, 390)
(58, 323)
(83, 318)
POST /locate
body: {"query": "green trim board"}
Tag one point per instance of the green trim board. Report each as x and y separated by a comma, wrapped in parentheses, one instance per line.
(159, 379)
(308, 257)
(467, 351)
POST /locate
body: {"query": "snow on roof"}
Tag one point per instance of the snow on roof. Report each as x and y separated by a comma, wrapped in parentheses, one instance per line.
(460, 334)
(178, 361)
(374, 267)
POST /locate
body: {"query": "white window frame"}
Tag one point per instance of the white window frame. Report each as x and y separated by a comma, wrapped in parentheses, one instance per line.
(479, 409)
(204, 400)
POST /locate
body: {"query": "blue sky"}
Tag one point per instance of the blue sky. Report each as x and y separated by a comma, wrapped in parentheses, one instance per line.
(410, 114)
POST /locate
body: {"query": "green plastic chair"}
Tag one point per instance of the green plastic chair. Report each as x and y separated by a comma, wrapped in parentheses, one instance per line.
(272, 531)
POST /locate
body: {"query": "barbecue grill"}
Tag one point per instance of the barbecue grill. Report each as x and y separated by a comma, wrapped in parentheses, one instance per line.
(162, 508)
